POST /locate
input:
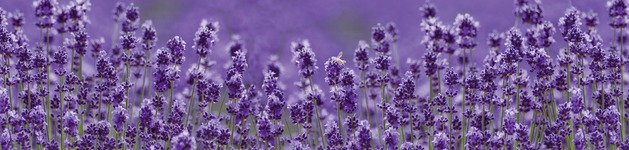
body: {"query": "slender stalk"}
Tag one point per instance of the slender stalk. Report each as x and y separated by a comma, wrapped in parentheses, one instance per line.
(290, 134)
(170, 102)
(113, 37)
(190, 105)
(397, 58)
(147, 57)
(464, 122)
(339, 117)
(128, 79)
(364, 95)
(384, 123)
(622, 88)
(316, 109)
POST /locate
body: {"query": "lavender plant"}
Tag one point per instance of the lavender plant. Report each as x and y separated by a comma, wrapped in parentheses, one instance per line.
(66, 90)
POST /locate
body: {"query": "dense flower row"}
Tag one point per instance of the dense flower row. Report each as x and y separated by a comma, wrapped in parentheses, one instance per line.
(519, 97)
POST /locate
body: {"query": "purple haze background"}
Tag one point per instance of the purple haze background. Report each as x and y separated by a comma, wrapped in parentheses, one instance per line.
(268, 26)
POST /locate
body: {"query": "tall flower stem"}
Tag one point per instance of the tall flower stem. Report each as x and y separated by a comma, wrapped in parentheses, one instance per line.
(61, 144)
(464, 122)
(364, 95)
(517, 96)
(621, 109)
(48, 115)
(384, 123)
(397, 58)
(570, 139)
(194, 83)
(170, 102)
(146, 68)
(316, 109)
(338, 115)
(10, 88)
(128, 79)
(290, 134)
(115, 34)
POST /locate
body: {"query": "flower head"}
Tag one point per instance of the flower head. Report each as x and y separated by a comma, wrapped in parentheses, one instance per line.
(184, 141)
(465, 25)
(177, 47)
(304, 58)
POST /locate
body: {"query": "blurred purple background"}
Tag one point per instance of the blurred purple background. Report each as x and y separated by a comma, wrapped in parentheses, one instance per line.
(268, 26)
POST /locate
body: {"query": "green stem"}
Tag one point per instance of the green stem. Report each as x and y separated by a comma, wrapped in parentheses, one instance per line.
(384, 123)
(290, 134)
(464, 122)
(190, 105)
(144, 76)
(113, 37)
(317, 114)
(622, 88)
(397, 58)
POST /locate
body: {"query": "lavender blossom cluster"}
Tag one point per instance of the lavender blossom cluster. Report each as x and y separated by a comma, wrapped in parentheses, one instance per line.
(519, 97)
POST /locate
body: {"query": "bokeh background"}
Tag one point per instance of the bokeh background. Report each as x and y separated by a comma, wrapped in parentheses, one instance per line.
(268, 26)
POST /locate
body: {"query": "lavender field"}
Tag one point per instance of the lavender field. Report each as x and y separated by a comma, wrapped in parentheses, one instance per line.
(301, 75)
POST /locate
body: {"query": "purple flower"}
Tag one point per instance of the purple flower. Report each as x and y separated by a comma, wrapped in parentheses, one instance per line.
(430, 63)
(411, 146)
(131, 19)
(70, 123)
(333, 68)
(263, 126)
(545, 32)
(17, 19)
(509, 125)
(364, 135)
(571, 19)
(333, 134)
(245, 103)
(184, 141)
(299, 113)
(514, 39)
(591, 19)
(532, 13)
(205, 38)
(351, 122)
(37, 116)
(428, 10)
(361, 59)
(617, 8)
(466, 26)
(391, 138)
(149, 35)
(104, 67)
(275, 104)
(235, 86)
(4, 100)
(45, 7)
(118, 10)
(210, 134)
(392, 32)
(212, 91)
(146, 114)
(382, 62)
(177, 47)
(378, 34)
(495, 39)
(348, 94)
(392, 116)
(497, 140)
(441, 141)
(119, 118)
(304, 58)
(579, 139)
